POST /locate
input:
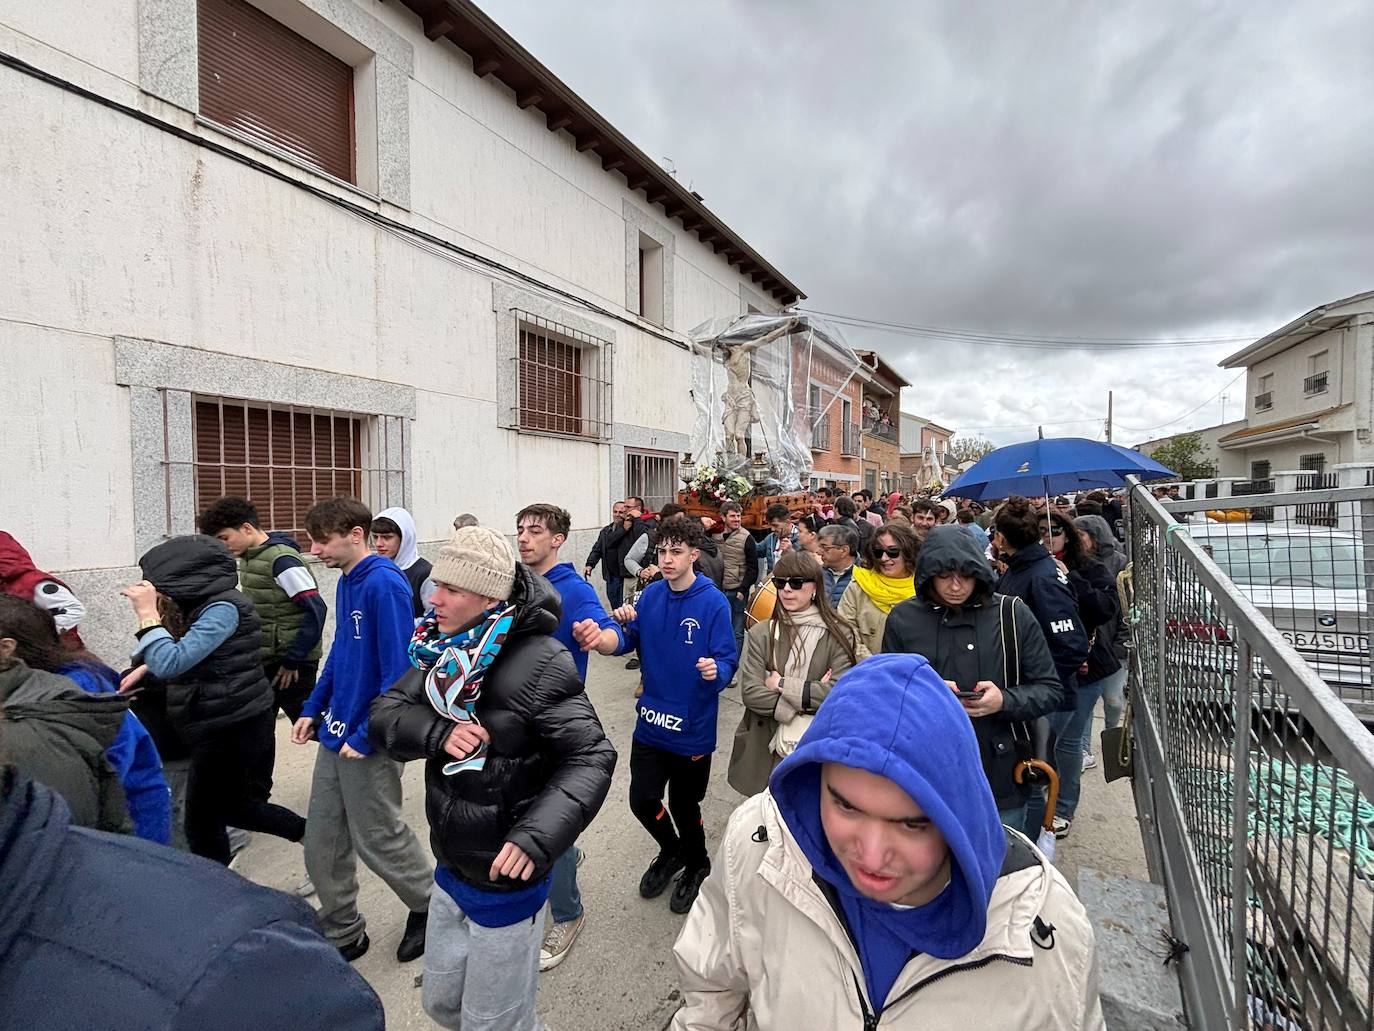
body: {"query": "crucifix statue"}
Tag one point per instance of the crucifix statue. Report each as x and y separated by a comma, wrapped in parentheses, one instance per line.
(741, 407)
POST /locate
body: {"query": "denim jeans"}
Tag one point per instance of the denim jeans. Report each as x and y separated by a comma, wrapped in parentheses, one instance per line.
(1014, 817)
(565, 900)
(1067, 760)
(737, 609)
(1113, 690)
(615, 592)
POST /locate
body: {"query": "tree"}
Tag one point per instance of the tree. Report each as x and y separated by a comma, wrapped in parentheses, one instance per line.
(1186, 455)
(967, 449)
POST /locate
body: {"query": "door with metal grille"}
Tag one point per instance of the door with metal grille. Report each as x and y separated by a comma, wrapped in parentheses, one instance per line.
(651, 475)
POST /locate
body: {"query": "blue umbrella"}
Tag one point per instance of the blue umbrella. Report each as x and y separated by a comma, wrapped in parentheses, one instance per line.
(1053, 466)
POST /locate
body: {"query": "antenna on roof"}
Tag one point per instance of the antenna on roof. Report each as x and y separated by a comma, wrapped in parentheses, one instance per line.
(670, 166)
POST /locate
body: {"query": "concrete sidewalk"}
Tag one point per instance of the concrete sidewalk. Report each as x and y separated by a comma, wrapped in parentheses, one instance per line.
(620, 975)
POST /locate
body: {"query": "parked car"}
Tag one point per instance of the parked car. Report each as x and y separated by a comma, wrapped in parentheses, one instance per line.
(1310, 582)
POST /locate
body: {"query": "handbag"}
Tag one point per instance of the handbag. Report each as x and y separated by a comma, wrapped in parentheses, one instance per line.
(1117, 745)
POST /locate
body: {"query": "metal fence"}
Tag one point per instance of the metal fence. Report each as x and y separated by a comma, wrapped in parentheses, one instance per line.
(1254, 777)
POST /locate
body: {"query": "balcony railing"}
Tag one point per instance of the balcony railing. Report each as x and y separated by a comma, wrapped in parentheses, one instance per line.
(850, 445)
(820, 431)
(880, 429)
(1315, 384)
(1264, 401)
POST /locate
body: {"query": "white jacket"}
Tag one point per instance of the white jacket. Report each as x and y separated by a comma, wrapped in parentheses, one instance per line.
(763, 949)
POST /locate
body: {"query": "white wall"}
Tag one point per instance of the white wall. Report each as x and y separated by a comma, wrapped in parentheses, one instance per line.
(123, 230)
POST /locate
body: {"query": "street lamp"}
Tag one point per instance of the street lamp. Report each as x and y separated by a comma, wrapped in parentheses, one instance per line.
(687, 469)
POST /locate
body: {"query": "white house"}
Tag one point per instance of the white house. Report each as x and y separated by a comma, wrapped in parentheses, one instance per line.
(1309, 393)
(294, 248)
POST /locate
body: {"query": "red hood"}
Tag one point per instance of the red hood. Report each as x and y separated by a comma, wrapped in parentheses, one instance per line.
(18, 575)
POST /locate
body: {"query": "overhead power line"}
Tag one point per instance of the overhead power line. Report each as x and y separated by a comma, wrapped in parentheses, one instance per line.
(1034, 341)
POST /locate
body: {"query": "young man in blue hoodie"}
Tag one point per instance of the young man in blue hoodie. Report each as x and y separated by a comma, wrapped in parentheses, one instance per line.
(683, 630)
(540, 531)
(355, 796)
(876, 854)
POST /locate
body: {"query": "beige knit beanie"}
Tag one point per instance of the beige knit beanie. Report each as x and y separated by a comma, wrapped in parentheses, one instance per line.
(479, 560)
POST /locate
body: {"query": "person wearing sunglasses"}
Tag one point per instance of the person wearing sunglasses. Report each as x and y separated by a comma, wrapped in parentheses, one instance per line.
(788, 664)
(987, 648)
(1095, 593)
(839, 547)
(881, 582)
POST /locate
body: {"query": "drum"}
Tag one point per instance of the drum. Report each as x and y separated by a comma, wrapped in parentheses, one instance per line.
(761, 603)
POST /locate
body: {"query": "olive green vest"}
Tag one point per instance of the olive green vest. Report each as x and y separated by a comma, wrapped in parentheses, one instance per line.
(281, 617)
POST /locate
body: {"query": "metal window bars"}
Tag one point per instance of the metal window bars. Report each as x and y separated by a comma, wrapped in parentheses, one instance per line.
(651, 475)
(286, 458)
(1315, 384)
(1255, 777)
(563, 379)
(1264, 401)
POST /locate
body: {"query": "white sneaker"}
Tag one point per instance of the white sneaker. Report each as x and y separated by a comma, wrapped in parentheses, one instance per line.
(1061, 827)
(559, 942)
(1089, 761)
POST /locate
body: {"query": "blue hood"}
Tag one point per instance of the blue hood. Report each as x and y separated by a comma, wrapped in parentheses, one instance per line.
(893, 716)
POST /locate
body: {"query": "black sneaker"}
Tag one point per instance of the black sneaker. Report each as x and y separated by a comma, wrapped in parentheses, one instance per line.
(660, 874)
(632, 664)
(355, 950)
(687, 887)
(413, 940)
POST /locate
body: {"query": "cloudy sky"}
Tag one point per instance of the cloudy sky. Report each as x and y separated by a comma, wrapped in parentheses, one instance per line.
(1151, 170)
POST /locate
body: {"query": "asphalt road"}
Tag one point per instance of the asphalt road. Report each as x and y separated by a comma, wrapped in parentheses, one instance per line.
(620, 975)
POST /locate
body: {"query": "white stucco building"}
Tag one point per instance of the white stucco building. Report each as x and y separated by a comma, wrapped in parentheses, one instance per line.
(305, 247)
(1309, 393)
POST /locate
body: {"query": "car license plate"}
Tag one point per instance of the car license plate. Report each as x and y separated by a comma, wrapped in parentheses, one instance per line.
(1327, 641)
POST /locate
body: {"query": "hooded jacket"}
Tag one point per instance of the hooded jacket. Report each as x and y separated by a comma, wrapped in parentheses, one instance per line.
(408, 558)
(673, 631)
(1033, 577)
(548, 766)
(965, 646)
(374, 622)
(579, 601)
(133, 755)
(58, 734)
(779, 938)
(228, 685)
(22, 579)
(109, 933)
(1109, 650)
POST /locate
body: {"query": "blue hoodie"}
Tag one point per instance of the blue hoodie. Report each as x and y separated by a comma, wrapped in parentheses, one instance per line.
(673, 630)
(133, 756)
(893, 716)
(373, 626)
(579, 602)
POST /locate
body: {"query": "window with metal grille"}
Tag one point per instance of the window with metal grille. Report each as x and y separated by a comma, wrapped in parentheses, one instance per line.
(1259, 470)
(283, 459)
(259, 78)
(564, 379)
(651, 475)
(1315, 462)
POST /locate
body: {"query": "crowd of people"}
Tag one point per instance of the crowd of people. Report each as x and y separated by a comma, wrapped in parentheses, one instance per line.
(913, 656)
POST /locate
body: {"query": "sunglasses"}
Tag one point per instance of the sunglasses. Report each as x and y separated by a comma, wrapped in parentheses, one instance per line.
(1056, 531)
(889, 552)
(794, 582)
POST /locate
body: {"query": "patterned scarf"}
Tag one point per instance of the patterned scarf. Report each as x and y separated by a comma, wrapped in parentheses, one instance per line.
(454, 665)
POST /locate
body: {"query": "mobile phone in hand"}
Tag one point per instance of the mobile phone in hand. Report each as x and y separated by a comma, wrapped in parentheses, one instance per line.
(968, 696)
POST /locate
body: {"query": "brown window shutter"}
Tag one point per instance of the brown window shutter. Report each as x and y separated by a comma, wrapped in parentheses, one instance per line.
(260, 78)
(550, 384)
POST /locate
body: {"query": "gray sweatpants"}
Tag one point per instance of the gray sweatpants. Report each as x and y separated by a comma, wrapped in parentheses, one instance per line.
(480, 978)
(355, 812)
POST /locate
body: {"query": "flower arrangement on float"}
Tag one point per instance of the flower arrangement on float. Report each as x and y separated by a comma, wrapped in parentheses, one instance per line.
(710, 486)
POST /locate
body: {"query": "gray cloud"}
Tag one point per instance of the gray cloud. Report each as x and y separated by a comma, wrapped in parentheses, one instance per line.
(1120, 170)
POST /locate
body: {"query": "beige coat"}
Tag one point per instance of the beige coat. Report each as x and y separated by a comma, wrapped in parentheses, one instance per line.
(856, 610)
(762, 950)
(751, 760)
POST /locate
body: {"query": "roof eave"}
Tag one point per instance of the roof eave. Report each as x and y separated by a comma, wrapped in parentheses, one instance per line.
(495, 52)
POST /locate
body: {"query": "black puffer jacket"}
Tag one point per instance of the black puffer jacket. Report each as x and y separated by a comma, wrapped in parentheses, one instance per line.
(549, 763)
(229, 685)
(965, 646)
(1034, 578)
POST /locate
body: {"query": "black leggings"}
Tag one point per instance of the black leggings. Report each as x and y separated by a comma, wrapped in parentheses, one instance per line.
(224, 787)
(684, 777)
